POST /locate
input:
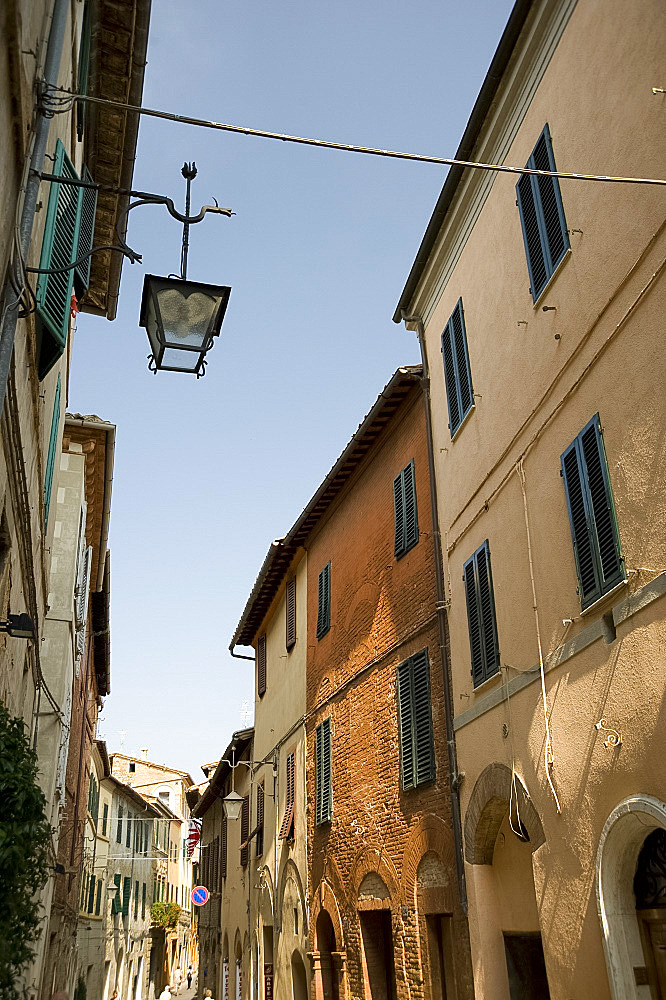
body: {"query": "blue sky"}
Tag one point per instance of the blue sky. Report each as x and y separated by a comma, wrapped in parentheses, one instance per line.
(208, 472)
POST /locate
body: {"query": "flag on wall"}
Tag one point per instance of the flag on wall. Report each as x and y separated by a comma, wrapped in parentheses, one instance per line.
(193, 836)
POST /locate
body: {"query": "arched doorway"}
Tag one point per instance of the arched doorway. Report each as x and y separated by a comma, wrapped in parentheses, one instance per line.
(502, 829)
(299, 983)
(374, 912)
(327, 987)
(631, 879)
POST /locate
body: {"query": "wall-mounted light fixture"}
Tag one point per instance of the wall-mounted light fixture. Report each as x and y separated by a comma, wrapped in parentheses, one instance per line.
(19, 626)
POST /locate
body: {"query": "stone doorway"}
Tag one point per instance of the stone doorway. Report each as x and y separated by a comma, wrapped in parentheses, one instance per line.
(378, 963)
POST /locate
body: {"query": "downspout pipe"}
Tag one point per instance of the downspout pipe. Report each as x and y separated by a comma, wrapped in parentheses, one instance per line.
(455, 776)
(40, 139)
(240, 656)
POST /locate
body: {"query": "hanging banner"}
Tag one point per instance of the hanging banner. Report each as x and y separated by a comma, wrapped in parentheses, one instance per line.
(193, 835)
(225, 979)
(268, 982)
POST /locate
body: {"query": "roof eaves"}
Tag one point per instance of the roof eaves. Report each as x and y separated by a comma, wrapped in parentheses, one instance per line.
(239, 743)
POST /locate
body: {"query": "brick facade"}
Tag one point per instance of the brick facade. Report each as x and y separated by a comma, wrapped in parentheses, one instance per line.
(386, 860)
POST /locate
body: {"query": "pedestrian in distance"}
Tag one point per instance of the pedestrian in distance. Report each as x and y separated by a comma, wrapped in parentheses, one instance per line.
(114, 995)
(166, 993)
(178, 978)
(208, 995)
(189, 977)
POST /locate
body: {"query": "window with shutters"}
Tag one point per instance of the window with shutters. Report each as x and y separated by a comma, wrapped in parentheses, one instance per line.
(116, 903)
(484, 646)
(128, 833)
(51, 455)
(542, 216)
(91, 894)
(457, 374)
(323, 773)
(594, 531)
(105, 818)
(143, 901)
(417, 751)
(136, 900)
(127, 892)
(324, 601)
(66, 238)
(261, 666)
(290, 614)
(404, 507)
(223, 848)
(245, 832)
(119, 828)
(259, 831)
(287, 825)
(98, 898)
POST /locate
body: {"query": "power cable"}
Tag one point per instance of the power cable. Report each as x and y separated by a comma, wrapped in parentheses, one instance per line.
(345, 147)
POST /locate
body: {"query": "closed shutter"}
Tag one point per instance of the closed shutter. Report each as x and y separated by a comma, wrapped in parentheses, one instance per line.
(143, 901)
(119, 828)
(223, 850)
(594, 531)
(291, 614)
(245, 830)
(116, 904)
(51, 455)
(484, 645)
(260, 820)
(323, 773)
(61, 237)
(82, 595)
(417, 754)
(324, 601)
(215, 859)
(457, 373)
(91, 894)
(542, 216)
(287, 826)
(404, 505)
(98, 898)
(136, 900)
(261, 666)
(86, 234)
(127, 892)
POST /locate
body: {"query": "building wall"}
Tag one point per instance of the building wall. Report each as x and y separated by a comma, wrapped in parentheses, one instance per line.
(540, 377)
(279, 891)
(386, 850)
(90, 940)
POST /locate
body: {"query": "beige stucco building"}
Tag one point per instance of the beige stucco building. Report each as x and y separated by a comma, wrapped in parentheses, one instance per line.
(540, 306)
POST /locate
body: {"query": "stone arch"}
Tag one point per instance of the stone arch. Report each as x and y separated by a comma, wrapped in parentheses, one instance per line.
(430, 834)
(487, 808)
(290, 870)
(267, 895)
(374, 860)
(622, 837)
(324, 899)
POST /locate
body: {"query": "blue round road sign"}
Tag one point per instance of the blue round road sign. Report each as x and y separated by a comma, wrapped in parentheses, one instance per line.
(200, 895)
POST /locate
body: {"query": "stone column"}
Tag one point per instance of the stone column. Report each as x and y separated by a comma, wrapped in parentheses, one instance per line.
(339, 962)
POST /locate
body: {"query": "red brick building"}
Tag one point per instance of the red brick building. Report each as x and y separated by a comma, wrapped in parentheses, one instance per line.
(385, 916)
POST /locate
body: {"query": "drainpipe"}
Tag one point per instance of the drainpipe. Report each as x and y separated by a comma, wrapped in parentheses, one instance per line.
(40, 138)
(455, 776)
(240, 656)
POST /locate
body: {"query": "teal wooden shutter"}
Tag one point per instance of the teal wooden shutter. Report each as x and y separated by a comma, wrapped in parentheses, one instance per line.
(404, 506)
(480, 598)
(323, 773)
(91, 894)
(417, 754)
(51, 455)
(425, 752)
(127, 892)
(594, 531)
(61, 237)
(86, 234)
(457, 372)
(116, 904)
(542, 218)
(324, 601)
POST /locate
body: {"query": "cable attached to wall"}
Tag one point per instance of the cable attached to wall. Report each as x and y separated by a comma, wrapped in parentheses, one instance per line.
(548, 748)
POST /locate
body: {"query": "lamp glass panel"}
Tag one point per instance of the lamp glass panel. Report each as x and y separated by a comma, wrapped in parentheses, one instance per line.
(152, 326)
(173, 358)
(186, 319)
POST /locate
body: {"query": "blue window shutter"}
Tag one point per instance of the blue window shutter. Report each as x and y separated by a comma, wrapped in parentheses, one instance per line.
(406, 725)
(323, 773)
(542, 216)
(127, 892)
(116, 904)
(61, 237)
(324, 601)
(425, 753)
(406, 516)
(457, 373)
(51, 454)
(594, 531)
(480, 599)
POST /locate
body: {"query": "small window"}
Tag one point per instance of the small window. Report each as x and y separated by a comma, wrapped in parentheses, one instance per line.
(287, 827)
(457, 375)
(119, 828)
(143, 901)
(91, 894)
(132, 767)
(484, 646)
(417, 752)
(404, 507)
(128, 832)
(105, 818)
(594, 531)
(261, 666)
(98, 897)
(290, 613)
(323, 773)
(324, 602)
(136, 900)
(127, 893)
(542, 216)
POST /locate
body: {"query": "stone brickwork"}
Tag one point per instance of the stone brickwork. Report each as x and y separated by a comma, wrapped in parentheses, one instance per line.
(366, 861)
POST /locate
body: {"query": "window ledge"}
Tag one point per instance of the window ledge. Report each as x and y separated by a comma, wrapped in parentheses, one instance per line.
(484, 685)
(605, 598)
(565, 256)
(464, 421)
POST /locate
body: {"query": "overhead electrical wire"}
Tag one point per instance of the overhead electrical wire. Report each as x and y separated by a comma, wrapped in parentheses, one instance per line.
(446, 161)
